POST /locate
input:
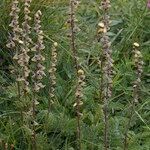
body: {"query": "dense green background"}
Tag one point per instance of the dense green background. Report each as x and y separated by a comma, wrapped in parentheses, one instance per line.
(130, 23)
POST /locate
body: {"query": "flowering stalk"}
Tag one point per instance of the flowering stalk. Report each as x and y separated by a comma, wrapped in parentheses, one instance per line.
(106, 66)
(52, 73)
(138, 63)
(79, 103)
(14, 42)
(24, 57)
(39, 68)
(15, 37)
(73, 5)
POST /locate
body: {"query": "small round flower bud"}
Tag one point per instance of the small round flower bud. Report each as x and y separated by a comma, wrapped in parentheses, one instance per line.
(80, 72)
(101, 24)
(55, 44)
(136, 44)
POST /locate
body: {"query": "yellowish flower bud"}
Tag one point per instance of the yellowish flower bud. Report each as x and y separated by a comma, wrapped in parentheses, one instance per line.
(55, 44)
(101, 24)
(80, 72)
(136, 44)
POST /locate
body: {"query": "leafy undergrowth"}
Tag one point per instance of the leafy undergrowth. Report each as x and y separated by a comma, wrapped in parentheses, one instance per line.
(57, 131)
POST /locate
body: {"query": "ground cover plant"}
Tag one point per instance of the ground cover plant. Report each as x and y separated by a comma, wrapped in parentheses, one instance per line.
(74, 75)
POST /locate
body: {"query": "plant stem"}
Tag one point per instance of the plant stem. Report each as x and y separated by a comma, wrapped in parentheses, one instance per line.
(74, 50)
(34, 131)
(127, 129)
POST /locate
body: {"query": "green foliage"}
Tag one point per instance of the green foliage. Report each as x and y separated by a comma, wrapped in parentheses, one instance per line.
(57, 130)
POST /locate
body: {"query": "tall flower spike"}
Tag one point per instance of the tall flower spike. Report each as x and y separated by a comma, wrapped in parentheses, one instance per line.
(25, 24)
(79, 103)
(25, 46)
(52, 74)
(15, 37)
(38, 58)
(38, 73)
(106, 65)
(138, 63)
(16, 42)
(73, 29)
(139, 69)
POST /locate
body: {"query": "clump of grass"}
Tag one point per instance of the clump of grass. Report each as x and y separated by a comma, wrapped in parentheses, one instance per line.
(106, 66)
(138, 64)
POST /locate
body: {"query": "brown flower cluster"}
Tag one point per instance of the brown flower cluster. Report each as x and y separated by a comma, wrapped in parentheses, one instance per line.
(52, 70)
(38, 58)
(23, 58)
(73, 29)
(106, 66)
(15, 37)
(107, 69)
(79, 89)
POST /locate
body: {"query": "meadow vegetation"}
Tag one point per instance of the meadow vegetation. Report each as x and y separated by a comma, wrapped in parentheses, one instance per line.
(74, 75)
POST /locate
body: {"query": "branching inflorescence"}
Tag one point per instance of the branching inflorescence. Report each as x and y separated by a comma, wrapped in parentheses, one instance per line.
(106, 65)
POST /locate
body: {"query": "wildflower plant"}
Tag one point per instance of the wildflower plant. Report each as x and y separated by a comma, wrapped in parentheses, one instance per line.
(106, 65)
(38, 58)
(38, 72)
(52, 74)
(138, 64)
(79, 81)
(92, 107)
(14, 37)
